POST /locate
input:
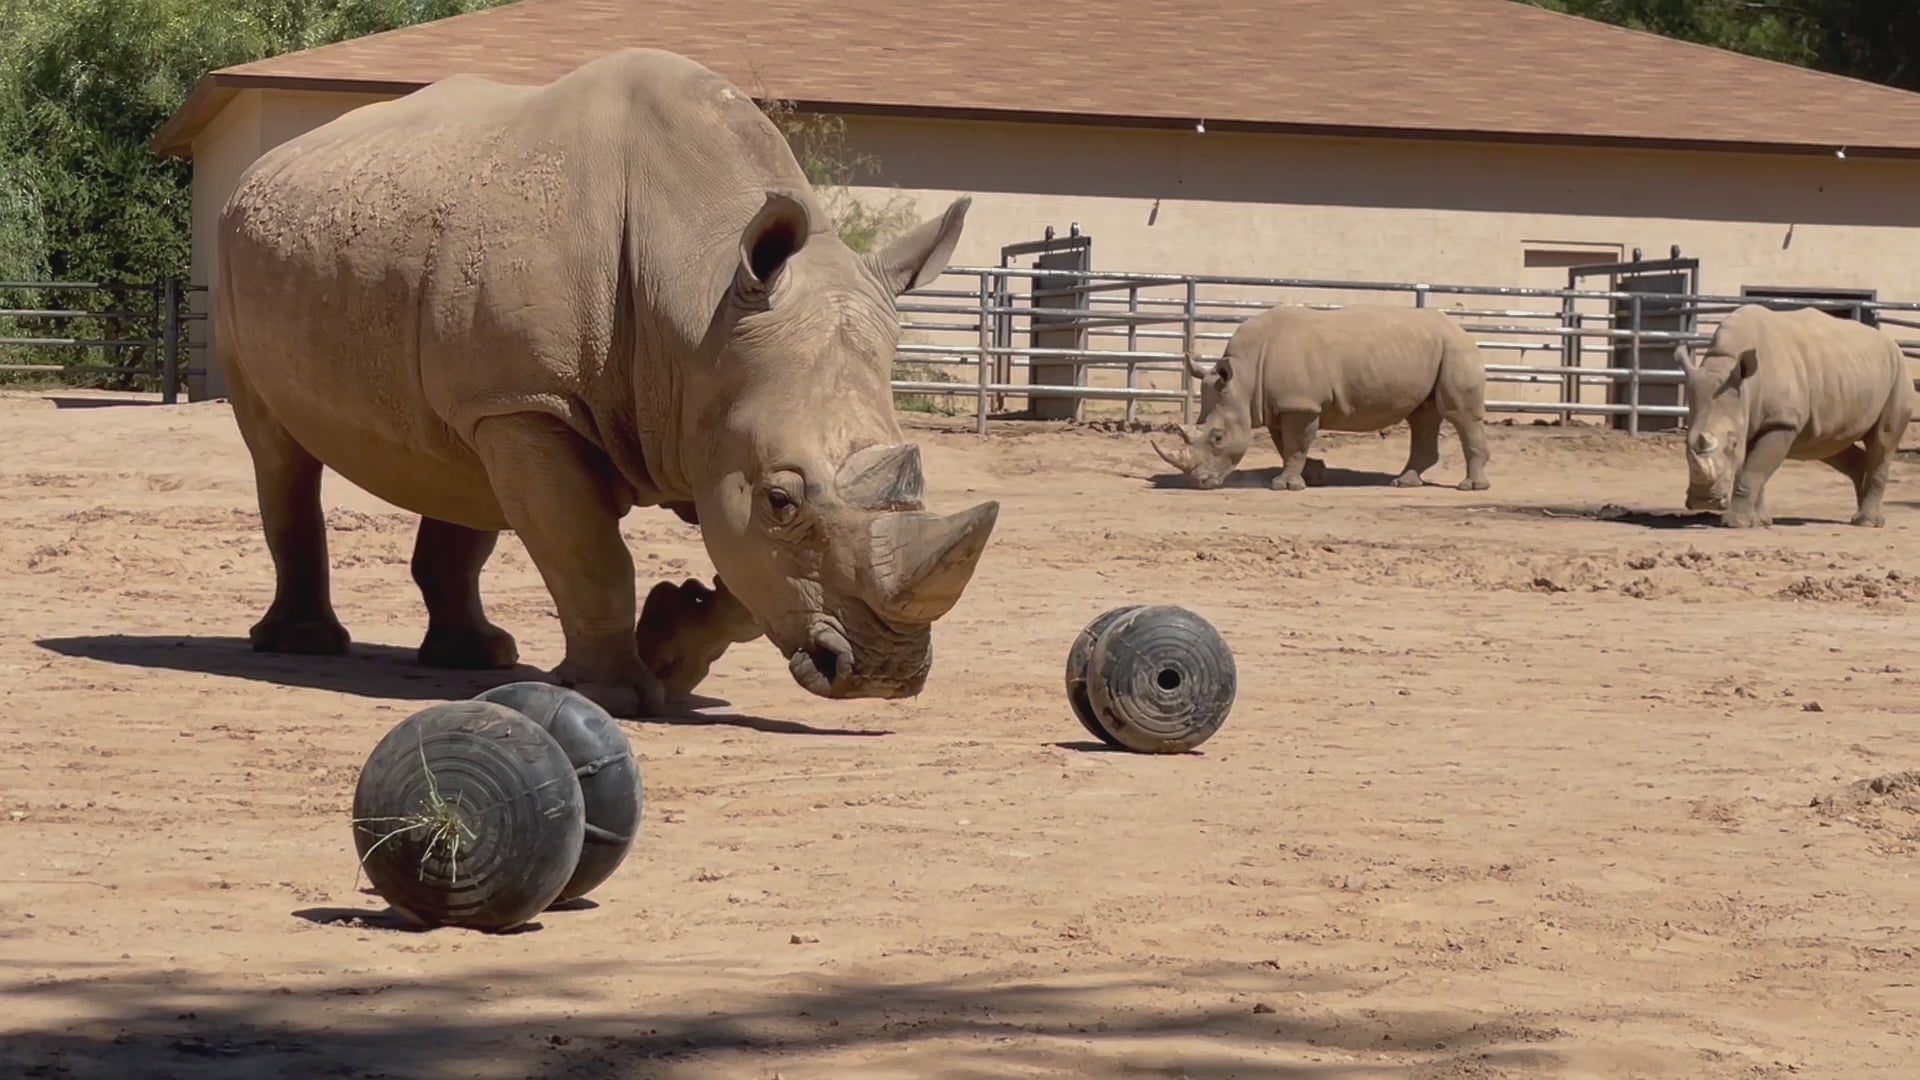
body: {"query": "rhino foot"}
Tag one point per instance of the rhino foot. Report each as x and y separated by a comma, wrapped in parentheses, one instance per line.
(298, 636)
(1409, 480)
(482, 648)
(628, 697)
(1745, 519)
(1875, 520)
(1473, 485)
(1283, 482)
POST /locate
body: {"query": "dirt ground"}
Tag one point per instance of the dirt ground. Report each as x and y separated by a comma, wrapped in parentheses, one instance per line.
(1541, 781)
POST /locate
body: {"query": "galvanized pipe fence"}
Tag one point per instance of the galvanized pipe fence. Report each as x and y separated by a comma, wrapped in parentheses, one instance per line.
(143, 332)
(958, 338)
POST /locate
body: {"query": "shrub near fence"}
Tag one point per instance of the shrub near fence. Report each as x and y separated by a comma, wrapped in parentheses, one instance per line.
(106, 336)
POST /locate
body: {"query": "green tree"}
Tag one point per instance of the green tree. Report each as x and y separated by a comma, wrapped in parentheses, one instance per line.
(1875, 40)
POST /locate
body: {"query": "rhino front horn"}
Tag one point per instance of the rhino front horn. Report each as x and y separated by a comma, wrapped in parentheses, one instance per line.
(883, 478)
(1182, 459)
(922, 562)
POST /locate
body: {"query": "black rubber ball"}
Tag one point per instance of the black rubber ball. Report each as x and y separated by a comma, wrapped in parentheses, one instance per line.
(468, 814)
(604, 763)
(1160, 679)
(1077, 658)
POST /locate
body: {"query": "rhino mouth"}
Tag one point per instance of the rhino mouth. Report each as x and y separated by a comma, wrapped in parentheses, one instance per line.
(893, 664)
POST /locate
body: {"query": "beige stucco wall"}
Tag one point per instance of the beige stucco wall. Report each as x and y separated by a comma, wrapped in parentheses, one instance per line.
(251, 124)
(1349, 209)
(1438, 212)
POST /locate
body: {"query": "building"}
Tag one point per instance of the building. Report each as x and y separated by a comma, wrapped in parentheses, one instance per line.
(1459, 141)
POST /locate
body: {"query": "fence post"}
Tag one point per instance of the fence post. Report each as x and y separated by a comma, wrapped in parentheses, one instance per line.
(1186, 354)
(1572, 356)
(1633, 371)
(986, 352)
(170, 341)
(1419, 296)
(1133, 345)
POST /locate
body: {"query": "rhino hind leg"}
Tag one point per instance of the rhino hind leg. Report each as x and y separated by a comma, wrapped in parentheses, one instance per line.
(1868, 467)
(557, 494)
(447, 560)
(1293, 435)
(1423, 446)
(300, 620)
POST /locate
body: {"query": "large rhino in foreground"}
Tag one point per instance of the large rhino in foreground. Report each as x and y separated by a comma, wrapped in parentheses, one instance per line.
(536, 308)
(1297, 371)
(1800, 384)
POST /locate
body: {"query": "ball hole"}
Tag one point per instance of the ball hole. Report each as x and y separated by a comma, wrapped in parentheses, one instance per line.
(1168, 679)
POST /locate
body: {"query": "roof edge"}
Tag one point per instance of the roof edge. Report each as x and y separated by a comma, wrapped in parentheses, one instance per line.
(216, 89)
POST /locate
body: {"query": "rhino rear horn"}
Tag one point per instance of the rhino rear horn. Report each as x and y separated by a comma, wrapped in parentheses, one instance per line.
(883, 478)
(921, 563)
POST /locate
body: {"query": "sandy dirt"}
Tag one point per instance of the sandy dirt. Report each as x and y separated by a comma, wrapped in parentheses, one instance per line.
(1541, 781)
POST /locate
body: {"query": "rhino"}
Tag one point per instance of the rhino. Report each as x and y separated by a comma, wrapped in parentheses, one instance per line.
(1800, 384)
(1296, 371)
(536, 308)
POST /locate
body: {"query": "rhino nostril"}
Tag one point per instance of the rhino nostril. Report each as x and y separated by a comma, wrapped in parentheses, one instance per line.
(825, 660)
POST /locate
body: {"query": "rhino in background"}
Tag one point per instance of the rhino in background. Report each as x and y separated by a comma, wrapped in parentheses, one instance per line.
(1297, 371)
(537, 308)
(1800, 384)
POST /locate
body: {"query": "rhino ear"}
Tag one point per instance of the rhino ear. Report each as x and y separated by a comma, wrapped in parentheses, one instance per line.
(775, 235)
(1749, 363)
(916, 259)
(1224, 369)
(1683, 356)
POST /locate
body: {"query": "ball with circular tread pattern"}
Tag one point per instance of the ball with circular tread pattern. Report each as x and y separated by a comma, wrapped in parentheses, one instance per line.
(1151, 678)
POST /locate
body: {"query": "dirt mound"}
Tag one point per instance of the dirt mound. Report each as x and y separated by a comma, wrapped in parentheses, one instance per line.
(1886, 806)
(1893, 586)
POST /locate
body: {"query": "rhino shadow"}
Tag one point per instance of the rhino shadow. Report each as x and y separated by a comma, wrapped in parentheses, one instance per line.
(1318, 476)
(1615, 514)
(385, 672)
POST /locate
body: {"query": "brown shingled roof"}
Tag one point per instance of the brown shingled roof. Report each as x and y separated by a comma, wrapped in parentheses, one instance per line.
(1482, 69)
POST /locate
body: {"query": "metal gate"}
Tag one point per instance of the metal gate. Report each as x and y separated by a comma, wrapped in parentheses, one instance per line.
(1663, 286)
(1065, 330)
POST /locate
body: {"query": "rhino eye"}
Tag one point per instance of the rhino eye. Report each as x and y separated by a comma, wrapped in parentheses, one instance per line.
(781, 503)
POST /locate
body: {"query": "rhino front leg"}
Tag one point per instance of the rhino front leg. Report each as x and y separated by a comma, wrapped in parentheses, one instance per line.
(1423, 448)
(558, 495)
(684, 628)
(447, 560)
(300, 620)
(1748, 507)
(1294, 433)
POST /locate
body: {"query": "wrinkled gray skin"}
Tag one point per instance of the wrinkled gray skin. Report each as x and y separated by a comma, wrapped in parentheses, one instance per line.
(536, 308)
(1298, 371)
(1800, 384)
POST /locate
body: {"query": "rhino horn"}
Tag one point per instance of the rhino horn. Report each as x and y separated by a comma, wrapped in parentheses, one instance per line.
(922, 562)
(883, 478)
(1181, 457)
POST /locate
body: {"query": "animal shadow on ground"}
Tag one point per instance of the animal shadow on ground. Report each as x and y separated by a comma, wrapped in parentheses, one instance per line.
(1614, 513)
(60, 402)
(386, 1024)
(386, 672)
(1316, 475)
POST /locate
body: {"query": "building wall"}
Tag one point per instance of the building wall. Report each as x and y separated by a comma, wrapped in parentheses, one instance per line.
(1347, 209)
(1407, 211)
